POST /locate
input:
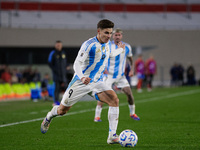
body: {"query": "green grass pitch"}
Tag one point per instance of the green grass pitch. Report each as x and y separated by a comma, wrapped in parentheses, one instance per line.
(170, 120)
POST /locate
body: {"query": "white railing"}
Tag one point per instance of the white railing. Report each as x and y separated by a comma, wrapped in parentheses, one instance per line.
(163, 21)
(146, 21)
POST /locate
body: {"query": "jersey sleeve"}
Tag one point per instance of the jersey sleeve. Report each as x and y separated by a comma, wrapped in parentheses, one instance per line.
(130, 54)
(83, 52)
(77, 69)
(81, 57)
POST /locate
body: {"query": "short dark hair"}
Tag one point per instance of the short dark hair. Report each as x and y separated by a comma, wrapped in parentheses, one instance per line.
(58, 41)
(105, 23)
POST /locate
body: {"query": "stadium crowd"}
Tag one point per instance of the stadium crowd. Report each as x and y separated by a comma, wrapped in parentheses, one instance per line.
(177, 75)
(8, 75)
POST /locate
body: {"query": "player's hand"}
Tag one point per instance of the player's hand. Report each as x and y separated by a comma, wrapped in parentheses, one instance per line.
(85, 80)
(130, 74)
(105, 71)
(120, 45)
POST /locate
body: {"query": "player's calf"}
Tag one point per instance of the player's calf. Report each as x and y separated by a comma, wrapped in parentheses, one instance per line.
(62, 110)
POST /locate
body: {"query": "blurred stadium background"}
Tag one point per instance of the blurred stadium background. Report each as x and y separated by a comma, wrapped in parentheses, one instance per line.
(168, 29)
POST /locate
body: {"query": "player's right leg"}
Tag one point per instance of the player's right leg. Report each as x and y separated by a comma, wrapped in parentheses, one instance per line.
(98, 110)
(70, 97)
(55, 111)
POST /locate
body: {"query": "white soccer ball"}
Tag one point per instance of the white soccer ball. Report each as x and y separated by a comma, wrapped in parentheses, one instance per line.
(128, 138)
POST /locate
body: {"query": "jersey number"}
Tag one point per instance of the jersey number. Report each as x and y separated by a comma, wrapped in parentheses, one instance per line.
(70, 92)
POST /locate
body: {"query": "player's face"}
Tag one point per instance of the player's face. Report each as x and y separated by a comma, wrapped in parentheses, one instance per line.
(58, 46)
(117, 37)
(104, 35)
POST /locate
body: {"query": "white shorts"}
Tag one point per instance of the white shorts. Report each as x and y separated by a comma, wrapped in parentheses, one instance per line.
(120, 82)
(77, 90)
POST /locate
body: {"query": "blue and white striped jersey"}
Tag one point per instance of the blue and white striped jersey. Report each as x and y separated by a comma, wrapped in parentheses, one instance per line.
(116, 65)
(94, 57)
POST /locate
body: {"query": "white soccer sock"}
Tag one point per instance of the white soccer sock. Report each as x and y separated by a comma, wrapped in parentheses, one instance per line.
(52, 113)
(132, 109)
(113, 116)
(98, 111)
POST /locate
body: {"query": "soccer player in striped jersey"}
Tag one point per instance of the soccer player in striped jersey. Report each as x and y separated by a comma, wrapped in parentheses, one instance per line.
(115, 74)
(89, 66)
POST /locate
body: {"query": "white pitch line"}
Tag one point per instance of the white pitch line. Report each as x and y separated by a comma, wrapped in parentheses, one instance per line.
(122, 104)
(21, 122)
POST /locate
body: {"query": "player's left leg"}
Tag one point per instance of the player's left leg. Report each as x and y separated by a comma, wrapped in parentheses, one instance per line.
(131, 102)
(124, 85)
(112, 100)
(108, 80)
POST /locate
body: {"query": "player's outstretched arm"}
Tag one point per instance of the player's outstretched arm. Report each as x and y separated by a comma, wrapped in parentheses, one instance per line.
(121, 48)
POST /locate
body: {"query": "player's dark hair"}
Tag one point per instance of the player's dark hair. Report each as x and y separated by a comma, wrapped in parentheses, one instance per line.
(58, 41)
(103, 24)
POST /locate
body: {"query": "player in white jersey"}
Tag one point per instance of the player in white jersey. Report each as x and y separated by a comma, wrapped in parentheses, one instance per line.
(115, 74)
(89, 66)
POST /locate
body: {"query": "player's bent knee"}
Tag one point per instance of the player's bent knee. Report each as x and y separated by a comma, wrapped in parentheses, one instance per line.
(114, 102)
